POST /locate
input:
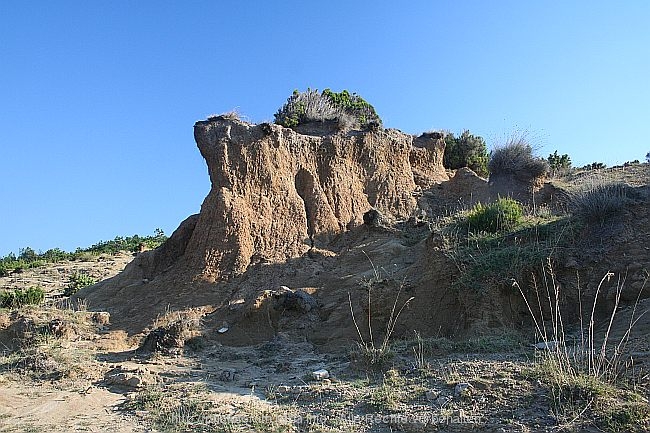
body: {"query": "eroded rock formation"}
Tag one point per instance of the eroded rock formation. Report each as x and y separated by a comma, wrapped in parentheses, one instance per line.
(277, 193)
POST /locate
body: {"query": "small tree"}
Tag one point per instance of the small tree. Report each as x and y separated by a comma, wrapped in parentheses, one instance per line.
(467, 150)
(647, 157)
(28, 254)
(559, 163)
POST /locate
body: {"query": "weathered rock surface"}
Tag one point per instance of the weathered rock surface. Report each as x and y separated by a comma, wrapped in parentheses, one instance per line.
(275, 195)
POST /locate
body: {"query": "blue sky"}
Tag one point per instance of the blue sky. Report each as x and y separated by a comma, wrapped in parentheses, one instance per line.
(99, 98)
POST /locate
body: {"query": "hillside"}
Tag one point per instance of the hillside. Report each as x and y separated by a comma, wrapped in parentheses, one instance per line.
(352, 251)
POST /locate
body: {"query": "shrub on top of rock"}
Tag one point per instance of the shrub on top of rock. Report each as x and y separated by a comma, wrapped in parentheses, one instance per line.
(516, 159)
(466, 150)
(349, 109)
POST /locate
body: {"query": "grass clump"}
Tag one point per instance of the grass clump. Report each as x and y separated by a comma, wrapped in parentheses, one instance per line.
(76, 282)
(20, 297)
(586, 373)
(371, 354)
(599, 201)
(516, 158)
(504, 214)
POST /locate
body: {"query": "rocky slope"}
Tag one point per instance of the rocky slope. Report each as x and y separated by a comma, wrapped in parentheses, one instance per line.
(287, 208)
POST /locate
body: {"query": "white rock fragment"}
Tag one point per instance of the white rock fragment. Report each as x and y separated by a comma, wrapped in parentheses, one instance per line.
(321, 374)
(462, 389)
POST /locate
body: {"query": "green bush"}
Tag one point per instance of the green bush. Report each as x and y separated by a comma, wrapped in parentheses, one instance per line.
(558, 163)
(504, 214)
(467, 150)
(355, 106)
(76, 282)
(516, 159)
(19, 297)
(312, 106)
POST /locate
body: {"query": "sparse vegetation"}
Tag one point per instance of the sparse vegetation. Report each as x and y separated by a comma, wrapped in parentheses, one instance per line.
(371, 354)
(489, 259)
(516, 158)
(584, 374)
(76, 282)
(466, 150)
(28, 258)
(598, 201)
(18, 297)
(594, 166)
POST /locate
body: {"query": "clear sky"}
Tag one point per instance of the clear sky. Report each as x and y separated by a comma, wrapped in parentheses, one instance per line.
(99, 97)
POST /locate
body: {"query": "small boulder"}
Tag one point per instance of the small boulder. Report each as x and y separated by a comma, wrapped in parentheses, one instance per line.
(462, 389)
(297, 300)
(320, 374)
(373, 218)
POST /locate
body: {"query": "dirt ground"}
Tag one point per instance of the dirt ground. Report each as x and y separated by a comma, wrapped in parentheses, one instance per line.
(103, 383)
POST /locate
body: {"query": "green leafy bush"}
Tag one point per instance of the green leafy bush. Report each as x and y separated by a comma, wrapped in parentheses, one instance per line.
(467, 150)
(355, 106)
(516, 158)
(76, 282)
(19, 297)
(559, 163)
(504, 214)
(312, 106)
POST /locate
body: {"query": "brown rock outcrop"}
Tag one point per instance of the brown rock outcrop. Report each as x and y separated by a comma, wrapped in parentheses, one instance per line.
(276, 193)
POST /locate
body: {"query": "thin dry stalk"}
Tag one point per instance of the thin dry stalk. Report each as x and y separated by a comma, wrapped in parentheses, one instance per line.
(590, 356)
(377, 354)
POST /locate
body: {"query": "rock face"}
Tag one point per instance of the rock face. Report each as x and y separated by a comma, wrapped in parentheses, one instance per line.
(277, 193)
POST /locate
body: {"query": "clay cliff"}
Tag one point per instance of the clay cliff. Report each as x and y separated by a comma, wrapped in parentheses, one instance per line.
(276, 194)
